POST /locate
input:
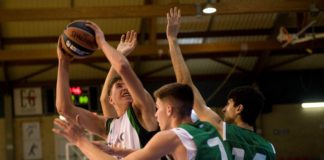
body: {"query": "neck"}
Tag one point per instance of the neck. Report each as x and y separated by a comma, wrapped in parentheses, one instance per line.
(177, 122)
(244, 125)
(120, 110)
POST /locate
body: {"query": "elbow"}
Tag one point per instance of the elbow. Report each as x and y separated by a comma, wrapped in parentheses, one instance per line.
(103, 97)
(104, 100)
(185, 81)
(123, 67)
(62, 109)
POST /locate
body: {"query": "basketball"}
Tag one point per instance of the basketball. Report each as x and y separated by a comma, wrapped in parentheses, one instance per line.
(79, 40)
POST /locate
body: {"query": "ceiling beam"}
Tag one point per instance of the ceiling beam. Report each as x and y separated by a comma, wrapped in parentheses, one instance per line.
(264, 58)
(231, 65)
(152, 10)
(116, 37)
(223, 49)
(282, 63)
(30, 75)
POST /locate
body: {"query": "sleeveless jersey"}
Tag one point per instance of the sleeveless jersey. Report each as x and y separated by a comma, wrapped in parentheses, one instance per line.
(209, 144)
(126, 131)
(247, 145)
(187, 141)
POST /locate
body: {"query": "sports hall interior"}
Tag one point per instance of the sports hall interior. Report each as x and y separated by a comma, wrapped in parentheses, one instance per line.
(243, 43)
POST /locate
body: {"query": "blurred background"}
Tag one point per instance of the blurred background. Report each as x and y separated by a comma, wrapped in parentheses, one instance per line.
(276, 45)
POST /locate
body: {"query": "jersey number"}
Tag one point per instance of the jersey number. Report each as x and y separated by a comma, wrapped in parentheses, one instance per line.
(239, 154)
(217, 142)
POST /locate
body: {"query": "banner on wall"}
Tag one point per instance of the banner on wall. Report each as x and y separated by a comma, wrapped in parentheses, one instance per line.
(28, 101)
(32, 141)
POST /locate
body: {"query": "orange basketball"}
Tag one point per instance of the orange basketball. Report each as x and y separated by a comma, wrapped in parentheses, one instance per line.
(79, 40)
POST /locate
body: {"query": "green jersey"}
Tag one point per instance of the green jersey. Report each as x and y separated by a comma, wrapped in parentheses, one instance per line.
(247, 145)
(209, 144)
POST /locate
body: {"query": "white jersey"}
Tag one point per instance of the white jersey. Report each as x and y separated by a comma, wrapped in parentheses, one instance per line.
(122, 134)
(187, 141)
(126, 132)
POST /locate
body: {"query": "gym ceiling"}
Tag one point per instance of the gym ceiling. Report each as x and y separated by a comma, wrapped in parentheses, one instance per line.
(239, 40)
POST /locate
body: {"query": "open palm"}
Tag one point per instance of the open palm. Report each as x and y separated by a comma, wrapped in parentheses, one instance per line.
(173, 20)
(127, 43)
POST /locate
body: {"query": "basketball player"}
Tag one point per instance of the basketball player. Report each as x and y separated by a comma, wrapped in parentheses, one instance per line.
(240, 113)
(180, 137)
(134, 106)
(126, 45)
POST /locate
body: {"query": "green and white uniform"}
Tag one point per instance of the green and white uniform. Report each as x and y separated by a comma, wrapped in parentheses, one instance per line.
(127, 132)
(202, 141)
(247, 145)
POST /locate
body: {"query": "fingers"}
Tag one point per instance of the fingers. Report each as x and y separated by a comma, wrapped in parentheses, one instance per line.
(122, 38)
(60, 123)
(174, 13)
(59, 41)
(59, 132)
(77, 120)
(62, 127)
(93, 26)
(175, 10)
(179, 13)
(168, 17)
(59, 44)
(171, 12)
(131, 36)
(134, 38)
(128, 36)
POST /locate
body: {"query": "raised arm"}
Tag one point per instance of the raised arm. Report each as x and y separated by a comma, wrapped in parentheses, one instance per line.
(126, 45)
(107, 108)
(182, 72)
(143, 102)
(64, 104)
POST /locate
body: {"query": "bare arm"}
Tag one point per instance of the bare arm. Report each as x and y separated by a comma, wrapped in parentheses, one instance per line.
(75, 134)
(167, 140)
(113, 150)
(143, 103)
(107, 108)
(182, 72)
(64, 104)
(126, 45)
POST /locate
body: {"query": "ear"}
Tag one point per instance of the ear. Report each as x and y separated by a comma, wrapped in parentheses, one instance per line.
(169, 110)
(110, 100)
(239, 108)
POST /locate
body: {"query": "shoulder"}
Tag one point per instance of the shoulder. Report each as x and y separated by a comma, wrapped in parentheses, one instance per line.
(167, 139)
(167, 135)
(237, 134)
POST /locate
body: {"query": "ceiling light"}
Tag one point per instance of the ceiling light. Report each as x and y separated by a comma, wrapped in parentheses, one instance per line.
(313, 105)
(209, 9)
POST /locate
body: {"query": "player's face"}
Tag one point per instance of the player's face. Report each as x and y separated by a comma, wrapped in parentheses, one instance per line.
(161, 114)
(120, 95)
(229, 111)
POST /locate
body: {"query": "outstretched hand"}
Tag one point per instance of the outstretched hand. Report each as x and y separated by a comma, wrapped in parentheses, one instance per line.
(100, 36)
(127, 43)
(61, 55)
(69, 129)
(113, 149)
(173, 22)
(104, 147)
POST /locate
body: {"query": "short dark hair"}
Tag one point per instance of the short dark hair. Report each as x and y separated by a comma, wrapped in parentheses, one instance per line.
(182, 93)
(112, 82)
(252, 101)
